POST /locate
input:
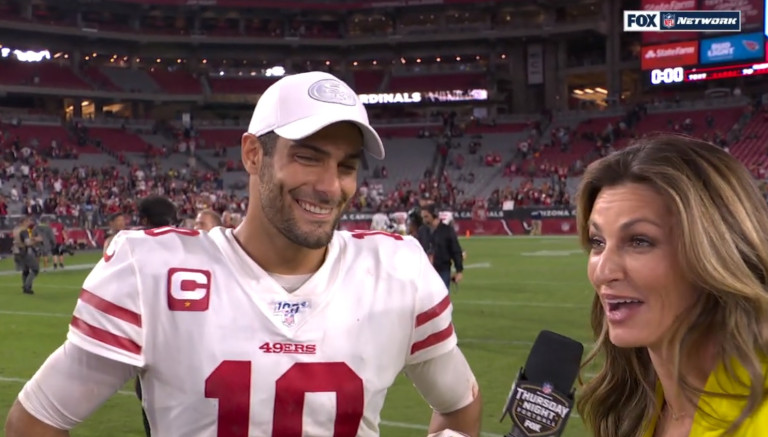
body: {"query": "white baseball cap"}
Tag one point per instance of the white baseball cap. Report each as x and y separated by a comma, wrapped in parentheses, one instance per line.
(299, 105)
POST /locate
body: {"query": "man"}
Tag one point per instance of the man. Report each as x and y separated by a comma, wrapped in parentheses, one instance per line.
(48, 241)
(418, 230)
(156, 211)
(444, 246)
(207, 219)
(60, 236)
(116, 224)
(230, 329)
(28, 242)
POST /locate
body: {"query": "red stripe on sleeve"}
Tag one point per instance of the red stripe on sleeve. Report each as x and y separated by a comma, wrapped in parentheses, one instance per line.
(109, 308)
(433, 312)
(432, 339)
(105, 337)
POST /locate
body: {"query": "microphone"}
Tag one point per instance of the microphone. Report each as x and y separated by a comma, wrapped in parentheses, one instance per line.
(542, 396)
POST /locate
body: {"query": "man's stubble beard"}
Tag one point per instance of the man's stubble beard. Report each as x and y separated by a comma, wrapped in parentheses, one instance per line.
(272, 197)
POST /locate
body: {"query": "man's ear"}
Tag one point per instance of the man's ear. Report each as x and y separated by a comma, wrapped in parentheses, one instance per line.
(251, 153)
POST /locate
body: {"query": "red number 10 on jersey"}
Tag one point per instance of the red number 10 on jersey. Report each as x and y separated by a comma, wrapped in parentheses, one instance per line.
(230, 383)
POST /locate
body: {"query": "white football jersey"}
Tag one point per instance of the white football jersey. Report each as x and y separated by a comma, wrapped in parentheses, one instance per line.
(380, 222)
(224, 351)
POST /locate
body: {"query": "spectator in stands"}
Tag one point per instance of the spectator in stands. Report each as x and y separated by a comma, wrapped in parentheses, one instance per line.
(444, 246)
(207, 219)
(674, 228)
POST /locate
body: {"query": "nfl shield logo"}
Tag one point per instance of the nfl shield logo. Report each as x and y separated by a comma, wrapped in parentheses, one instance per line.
(669, 21)
(546, 388)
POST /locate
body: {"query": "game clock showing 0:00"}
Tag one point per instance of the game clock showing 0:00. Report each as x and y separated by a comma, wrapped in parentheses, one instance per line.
(667, 75)
(663, 76)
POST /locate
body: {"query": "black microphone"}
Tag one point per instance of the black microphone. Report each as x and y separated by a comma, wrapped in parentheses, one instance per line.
(541, 398)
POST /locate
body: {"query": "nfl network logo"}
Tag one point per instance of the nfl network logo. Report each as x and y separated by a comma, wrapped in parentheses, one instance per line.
(682, 21)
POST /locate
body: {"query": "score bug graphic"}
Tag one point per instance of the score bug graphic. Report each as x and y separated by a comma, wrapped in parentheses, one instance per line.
(188, 289)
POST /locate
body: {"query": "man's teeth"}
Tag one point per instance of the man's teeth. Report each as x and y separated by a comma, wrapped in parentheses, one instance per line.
(314, 208)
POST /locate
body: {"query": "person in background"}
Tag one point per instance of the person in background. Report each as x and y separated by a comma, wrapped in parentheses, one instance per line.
(444, 246)
(418, 230)
(60, 247)
(156, 211)
(675, 230)
(29, 242)
(48, 243)
(207, 219)
(116, 224)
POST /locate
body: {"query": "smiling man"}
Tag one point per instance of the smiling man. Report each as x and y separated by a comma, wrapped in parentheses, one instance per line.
(281, 327)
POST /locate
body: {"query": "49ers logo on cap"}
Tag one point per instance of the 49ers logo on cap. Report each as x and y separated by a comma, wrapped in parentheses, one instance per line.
(188, 289)
(332, 91)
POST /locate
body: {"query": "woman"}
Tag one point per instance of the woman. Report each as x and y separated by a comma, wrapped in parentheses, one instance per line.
(676, 233)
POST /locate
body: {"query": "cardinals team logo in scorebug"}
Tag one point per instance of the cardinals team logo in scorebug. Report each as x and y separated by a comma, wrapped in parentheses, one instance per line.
(188, 289)
(751, 45)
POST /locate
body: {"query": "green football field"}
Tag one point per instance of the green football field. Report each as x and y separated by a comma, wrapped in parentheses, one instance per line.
(513, 288)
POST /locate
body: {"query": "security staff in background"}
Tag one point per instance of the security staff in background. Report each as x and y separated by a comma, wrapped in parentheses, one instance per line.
(28, 242)
(444, 246)
(154, 212)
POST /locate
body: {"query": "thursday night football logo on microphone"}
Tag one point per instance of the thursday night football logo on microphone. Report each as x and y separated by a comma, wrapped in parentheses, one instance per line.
(542, 396)
(682, 21)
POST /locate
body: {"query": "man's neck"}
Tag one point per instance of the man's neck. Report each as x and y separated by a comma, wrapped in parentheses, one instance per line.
(273, 252)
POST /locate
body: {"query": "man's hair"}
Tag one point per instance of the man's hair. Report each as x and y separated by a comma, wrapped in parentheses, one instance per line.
(431, 209)
(268, 143)
(157, 211)
(212, 214)
(114, 216)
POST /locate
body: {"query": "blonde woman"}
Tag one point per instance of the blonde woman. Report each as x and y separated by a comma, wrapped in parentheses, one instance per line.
(677, 235)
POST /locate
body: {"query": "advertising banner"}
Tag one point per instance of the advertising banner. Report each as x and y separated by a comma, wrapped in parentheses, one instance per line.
(741, 47)
(672, 55)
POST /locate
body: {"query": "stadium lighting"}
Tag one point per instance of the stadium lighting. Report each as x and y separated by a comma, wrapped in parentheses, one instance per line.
(601, 90)
(25, 55)
(589, 90)
(579, 92)
(276, 71)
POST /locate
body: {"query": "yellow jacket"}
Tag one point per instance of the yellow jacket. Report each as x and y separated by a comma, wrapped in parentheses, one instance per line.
(725, 411)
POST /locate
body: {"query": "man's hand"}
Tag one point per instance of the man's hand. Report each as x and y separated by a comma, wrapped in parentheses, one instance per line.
(457, 277)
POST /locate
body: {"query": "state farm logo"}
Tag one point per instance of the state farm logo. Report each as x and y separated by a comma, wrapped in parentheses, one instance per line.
(674, 51)
(188, 289)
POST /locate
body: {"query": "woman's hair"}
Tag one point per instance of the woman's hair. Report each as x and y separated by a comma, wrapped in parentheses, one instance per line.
(721, 221)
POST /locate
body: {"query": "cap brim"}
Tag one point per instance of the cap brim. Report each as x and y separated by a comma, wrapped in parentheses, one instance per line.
(307, 126)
